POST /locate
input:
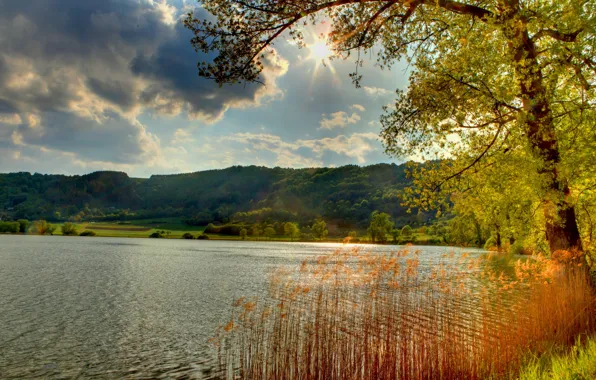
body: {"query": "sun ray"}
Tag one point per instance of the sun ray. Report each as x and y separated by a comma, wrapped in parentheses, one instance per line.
(322, 53)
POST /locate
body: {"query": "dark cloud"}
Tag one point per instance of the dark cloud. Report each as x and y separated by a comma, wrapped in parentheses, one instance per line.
(176, 86)
(77, 73)
(111, 139)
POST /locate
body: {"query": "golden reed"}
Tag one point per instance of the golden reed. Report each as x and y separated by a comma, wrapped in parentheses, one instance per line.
(355, 315)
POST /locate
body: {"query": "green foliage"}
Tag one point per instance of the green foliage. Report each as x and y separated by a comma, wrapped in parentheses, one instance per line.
(319, 229)
(291, 230)
(23, 225)
(42, 227)
(490, 243)
(202, 237)
(226, 229)
(380, 226)
(517, 248)
(579, 363)
(88, 233)
(9, 227)
(256, 231)
(158, 235)
(499, 90)
(406, 231)
(188, 235)
(243, 233)
(69, 229)
(269, 232)
(395, 234)
(237, 195)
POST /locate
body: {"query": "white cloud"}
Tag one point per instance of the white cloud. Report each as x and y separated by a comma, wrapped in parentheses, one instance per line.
(355, 146)
(338, 120)
(376, 91)
(181, 136)
(358, 107)
(12, 119)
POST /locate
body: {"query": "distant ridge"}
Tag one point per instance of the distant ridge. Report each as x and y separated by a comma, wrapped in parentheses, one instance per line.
(345, 195)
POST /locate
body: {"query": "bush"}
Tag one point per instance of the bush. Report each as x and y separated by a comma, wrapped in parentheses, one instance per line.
(157, 235)
(42, 227)
(490, 243)
(406, 231)
(9, 227)
(203, 237)
(23, 225)
(226, 229)
(88, 233)
(69, 229)
(188, 235)
(517, 248)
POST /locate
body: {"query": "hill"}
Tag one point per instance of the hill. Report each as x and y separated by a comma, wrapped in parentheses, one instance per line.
(345, 196)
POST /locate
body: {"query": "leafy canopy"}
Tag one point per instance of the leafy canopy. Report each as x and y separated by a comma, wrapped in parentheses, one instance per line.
(491, 81)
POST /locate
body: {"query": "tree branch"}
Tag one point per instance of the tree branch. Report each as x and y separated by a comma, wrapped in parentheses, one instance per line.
(557, 35)
(490, 145)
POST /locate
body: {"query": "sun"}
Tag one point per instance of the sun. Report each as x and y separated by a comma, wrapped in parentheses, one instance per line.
(319, 50)
(321, 53)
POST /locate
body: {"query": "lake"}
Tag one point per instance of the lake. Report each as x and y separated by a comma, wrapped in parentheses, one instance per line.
(129, 308)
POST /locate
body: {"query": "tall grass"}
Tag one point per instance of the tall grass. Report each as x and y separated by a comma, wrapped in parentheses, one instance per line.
(353, 315)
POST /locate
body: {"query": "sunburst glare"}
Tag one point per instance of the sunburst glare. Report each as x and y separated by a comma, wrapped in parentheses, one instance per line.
(321, 52)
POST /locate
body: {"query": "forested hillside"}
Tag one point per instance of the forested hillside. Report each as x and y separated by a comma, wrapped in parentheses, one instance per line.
(345, 196)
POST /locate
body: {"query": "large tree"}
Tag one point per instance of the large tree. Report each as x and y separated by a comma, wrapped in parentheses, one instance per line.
(488, 78)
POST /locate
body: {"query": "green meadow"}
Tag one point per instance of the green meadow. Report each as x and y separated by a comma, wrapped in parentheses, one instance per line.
(136, 228)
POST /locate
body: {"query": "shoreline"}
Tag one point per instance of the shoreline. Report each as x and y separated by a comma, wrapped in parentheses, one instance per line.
(226, 238)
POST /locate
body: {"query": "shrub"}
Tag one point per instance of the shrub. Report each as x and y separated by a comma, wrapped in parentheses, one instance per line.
(9, 227)
(269, 232)
(203, 237)
(69, 229)
(188, 235)
(517, 248)
(490, 243)
(88, 233)
(157, 235)
(406, 231)
(226, 229)
(23, 225)
(42, 227)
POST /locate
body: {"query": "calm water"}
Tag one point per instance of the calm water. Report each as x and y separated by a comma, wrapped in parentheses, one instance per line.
(73, 307)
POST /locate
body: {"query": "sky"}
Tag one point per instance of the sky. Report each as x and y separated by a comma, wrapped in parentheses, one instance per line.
(113, 85)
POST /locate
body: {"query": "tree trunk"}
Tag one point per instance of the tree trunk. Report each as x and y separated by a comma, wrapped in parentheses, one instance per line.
(498, 237)
(561, 225)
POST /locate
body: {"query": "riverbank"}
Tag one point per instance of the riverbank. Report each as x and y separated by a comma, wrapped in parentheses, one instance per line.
(173, 228)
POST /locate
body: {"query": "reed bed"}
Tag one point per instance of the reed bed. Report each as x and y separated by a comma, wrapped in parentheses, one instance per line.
(356, 315)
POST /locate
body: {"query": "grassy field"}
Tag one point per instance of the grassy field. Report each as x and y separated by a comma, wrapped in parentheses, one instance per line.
(136, 228)
(142, 228)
